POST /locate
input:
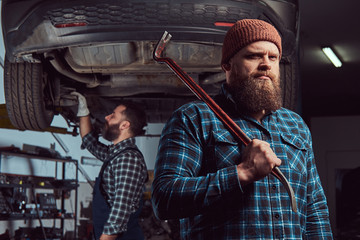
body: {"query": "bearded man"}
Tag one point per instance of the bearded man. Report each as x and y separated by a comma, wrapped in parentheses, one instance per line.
(118, 190)
(220, 188)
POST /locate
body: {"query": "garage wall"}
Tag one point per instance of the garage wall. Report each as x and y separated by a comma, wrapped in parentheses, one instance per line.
(148, 145)
(336, 145)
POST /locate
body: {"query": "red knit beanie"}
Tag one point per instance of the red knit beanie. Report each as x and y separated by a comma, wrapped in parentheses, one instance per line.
(247, 31)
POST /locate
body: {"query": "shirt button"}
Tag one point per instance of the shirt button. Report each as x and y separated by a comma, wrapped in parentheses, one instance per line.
(277, 216)
(273, 187)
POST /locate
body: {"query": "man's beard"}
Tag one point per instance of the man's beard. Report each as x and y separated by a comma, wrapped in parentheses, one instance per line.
(253, 95)
(111, 132)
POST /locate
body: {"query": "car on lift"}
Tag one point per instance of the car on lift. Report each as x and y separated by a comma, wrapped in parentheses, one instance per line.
(103, 49)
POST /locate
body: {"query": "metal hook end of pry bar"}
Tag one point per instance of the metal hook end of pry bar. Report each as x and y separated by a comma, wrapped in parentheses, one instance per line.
(277, 173)
(161, 46)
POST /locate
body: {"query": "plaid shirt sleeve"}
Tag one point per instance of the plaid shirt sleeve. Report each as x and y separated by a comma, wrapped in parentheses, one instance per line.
(317, 222)
(91, 143)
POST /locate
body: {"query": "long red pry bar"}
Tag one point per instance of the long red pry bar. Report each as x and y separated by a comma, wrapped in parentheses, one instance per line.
(202, 95)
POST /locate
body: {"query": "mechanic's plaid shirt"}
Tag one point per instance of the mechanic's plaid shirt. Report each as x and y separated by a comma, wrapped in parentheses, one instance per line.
(123, 179)
(196, 178)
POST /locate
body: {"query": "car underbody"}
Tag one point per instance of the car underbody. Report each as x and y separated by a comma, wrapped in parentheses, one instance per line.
(104, 50)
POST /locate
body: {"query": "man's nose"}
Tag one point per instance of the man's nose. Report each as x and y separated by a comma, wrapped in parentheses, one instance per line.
(265, 64)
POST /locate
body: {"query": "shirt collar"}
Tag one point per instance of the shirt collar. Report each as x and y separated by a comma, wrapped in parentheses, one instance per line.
(227, 94)
(122, 145)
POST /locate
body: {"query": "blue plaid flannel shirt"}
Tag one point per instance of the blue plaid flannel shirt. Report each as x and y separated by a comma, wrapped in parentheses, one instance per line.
(123, 179)
(196, 178)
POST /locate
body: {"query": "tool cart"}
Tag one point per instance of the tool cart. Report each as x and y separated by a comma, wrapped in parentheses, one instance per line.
(38, 196)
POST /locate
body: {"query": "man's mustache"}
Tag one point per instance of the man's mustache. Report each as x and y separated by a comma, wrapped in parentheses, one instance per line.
(268, 74)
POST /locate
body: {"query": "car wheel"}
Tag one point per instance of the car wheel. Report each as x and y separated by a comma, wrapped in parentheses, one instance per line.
(289, 72)
(25, 87)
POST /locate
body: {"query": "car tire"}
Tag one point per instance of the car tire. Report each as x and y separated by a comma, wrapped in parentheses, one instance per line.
(289, 73)
(24, 86)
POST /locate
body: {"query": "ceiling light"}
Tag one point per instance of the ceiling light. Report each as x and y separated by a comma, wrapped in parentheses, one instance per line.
(332, 56)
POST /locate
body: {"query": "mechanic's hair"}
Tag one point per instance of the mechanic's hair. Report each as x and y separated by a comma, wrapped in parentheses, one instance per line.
(136, 116)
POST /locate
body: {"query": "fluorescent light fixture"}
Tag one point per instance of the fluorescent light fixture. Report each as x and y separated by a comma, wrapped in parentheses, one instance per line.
(91, 161)
(332, 56)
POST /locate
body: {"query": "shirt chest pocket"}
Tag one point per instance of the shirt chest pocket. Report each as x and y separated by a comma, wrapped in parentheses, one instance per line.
(222, 151)
(295, 151)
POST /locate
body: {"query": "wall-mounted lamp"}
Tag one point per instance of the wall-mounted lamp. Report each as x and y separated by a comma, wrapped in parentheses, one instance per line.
(332, 56)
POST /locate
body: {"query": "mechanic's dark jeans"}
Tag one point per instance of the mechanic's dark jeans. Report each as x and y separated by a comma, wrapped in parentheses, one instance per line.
(101, 212)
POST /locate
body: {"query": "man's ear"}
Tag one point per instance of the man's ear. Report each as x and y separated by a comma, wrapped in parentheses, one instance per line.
(124, 125)
(226, 66)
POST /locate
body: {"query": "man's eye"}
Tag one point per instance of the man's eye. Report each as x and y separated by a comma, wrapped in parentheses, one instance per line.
(273, 57)
(252, 56)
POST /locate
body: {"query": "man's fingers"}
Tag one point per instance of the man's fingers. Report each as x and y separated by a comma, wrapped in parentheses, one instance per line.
(278, 162)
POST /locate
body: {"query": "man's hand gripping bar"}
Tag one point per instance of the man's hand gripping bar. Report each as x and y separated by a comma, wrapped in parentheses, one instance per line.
(202, 95)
